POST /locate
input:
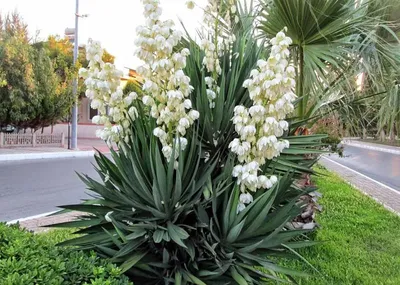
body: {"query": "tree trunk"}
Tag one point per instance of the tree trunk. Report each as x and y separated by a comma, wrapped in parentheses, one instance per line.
(382, 135)
(346, 132)
(392, 133)
(364, 135)
(300, 84)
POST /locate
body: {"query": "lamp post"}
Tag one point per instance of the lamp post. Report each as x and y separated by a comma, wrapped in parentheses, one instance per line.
(74, 127)
(74, 114)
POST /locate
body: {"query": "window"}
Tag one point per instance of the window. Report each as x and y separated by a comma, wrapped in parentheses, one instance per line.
(92, 113)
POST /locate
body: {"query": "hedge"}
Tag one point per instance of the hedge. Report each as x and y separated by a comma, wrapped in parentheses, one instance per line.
(27, 258)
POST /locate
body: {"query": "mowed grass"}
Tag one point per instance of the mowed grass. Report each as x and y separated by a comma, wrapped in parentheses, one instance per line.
(360, 239)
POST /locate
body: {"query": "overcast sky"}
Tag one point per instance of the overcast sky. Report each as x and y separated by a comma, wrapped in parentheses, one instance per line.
(112, 22)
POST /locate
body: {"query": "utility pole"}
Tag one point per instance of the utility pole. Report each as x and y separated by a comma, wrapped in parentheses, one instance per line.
(74, 132)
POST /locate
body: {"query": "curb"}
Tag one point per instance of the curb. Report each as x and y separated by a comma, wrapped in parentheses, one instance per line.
(45, 155)
(30, 218)
(38, 223)
(369, 146)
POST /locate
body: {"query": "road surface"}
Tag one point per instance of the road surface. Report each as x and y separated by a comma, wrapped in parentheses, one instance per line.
(34, 187)
(30, 188)
(381, 166)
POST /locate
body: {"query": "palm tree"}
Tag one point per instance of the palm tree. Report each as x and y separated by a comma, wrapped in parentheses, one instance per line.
(334, 42)
(388, 115)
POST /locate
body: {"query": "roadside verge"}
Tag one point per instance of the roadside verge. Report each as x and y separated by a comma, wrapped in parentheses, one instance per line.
(380, 192)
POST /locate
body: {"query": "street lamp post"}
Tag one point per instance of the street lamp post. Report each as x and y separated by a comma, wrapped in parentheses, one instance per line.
(74, 127)
(73, 142)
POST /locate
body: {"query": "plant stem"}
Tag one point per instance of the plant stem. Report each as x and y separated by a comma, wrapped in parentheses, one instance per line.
(300, 85)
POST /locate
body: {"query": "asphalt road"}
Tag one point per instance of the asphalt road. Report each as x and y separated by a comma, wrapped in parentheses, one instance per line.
(381, 166)
(34, 187)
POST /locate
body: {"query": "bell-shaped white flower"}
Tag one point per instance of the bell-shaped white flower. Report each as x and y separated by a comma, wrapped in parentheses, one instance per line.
(260, 127)
(245, 198)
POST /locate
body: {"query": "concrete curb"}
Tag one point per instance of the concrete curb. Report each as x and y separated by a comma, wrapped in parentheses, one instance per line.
(45, 155)
(30, 218)
(38, 223)
(394, 150)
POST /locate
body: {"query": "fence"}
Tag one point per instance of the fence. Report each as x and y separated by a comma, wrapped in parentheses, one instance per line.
(31, 140)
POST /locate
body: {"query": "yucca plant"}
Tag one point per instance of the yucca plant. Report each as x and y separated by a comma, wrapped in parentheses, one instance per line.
(179, 226)
(171, 211)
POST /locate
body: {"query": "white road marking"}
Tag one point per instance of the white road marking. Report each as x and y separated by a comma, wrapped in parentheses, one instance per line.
(30, 218)
(45, 155)
(365, 176)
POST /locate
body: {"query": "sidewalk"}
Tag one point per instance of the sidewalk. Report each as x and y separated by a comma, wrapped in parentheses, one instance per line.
(373, 146)
(86, 149)
(38, 224)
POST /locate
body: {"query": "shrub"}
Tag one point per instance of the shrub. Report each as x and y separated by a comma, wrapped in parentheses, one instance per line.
(190, 198)
(333, 139)
(132, 86)
(26, 258)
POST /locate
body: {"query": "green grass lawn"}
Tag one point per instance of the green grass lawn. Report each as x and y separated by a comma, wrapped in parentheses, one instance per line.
(361, 239)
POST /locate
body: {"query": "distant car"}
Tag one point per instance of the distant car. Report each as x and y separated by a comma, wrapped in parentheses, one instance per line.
(7, 129)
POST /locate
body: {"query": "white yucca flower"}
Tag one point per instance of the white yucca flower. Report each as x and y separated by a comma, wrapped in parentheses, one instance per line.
(259, 127)
(214, 44)
(166, 86)
(103, 89)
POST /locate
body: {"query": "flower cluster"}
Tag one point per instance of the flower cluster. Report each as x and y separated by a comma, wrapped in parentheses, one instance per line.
(166, 86)
(215, 42)
(260, 126)
(103, 89)
(218, 36)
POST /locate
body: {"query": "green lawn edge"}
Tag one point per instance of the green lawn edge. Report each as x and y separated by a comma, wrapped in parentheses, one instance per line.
(360, 238)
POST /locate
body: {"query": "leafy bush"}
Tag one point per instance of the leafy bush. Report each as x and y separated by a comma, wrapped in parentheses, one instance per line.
(132, 86)
(168, 208)
(333, 139)
(26, 258)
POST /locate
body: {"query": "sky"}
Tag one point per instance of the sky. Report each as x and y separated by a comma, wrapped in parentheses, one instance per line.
(112, 22)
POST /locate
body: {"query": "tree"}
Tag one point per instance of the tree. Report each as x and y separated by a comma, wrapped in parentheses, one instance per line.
(60, 52)
(107, 57)
(132, 86)
(388, 105)
(333, 43)
(51, 104)
(36, 80)
(16, 68)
